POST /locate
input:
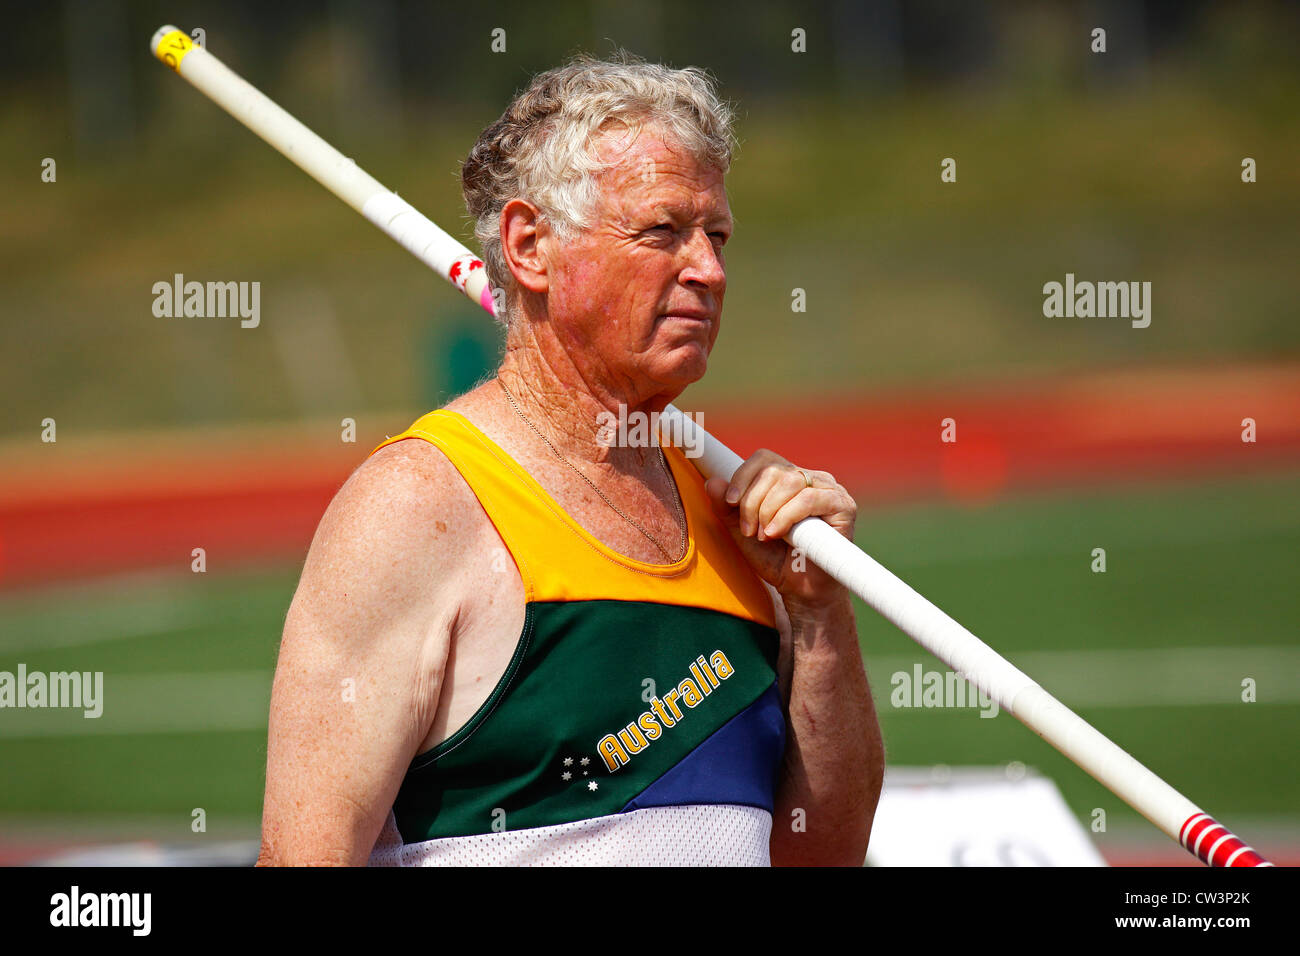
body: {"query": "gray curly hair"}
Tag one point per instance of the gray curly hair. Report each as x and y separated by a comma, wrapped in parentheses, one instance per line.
(541, 149)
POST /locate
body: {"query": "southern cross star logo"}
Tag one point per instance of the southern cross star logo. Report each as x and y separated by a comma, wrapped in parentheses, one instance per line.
(568, 775)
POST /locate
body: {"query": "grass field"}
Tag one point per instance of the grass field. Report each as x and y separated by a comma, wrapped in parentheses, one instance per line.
(1199, 593)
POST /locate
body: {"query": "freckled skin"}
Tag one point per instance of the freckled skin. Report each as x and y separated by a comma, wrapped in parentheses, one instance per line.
(655, 248)
(392, 594)
(597, 331)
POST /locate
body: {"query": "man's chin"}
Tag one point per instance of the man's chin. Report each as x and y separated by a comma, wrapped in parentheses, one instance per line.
(688, 369)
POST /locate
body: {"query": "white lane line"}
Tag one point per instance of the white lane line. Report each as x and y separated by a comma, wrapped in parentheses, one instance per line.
(1157, 677)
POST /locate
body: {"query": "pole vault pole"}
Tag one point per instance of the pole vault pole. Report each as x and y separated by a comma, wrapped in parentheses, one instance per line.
(916, 617)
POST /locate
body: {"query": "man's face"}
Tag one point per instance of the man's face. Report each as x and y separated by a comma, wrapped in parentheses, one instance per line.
(640, 292)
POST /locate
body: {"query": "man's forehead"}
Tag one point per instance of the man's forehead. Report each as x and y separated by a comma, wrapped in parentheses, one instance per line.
(651, 173)
(624, 141)
(680, 203)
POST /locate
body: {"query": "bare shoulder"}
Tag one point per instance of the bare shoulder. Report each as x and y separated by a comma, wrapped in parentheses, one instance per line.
(397, 533)
(409, 480)
(374, 614)
(406, 484)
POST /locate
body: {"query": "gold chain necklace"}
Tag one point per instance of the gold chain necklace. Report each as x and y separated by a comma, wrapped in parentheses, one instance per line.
(663, 462)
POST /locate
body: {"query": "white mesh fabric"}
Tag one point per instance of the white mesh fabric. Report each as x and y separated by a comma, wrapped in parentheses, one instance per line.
(699, 835)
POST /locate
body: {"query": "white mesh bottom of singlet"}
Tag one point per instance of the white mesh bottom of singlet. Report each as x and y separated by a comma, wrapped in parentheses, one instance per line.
(657, 836)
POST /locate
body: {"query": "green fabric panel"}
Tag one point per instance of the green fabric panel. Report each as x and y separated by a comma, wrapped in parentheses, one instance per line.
(577, 676)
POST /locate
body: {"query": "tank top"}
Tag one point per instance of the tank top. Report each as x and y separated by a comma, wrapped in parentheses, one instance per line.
(638, 721)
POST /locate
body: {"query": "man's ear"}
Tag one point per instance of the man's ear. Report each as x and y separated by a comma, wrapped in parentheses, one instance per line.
(523, 232)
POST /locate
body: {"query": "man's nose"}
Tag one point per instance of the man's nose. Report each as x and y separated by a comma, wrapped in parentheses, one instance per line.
(703, 263)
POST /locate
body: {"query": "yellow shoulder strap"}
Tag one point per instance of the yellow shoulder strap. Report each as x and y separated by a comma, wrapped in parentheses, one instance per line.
(559, 560)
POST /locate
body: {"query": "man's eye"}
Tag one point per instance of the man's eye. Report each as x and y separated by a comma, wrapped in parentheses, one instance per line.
(719, 237)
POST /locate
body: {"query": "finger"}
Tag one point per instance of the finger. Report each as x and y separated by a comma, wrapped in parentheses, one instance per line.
(729, 515)
(827, 503)
(716, 489)
(764, 485)
(790, 484)
(747, 472)
(766, 558)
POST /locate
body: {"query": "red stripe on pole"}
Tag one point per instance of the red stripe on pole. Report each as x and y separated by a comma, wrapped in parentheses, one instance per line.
(1182, 831)
(1215, 855)
(1193, 829)
(1214, 844)
(1250, 858)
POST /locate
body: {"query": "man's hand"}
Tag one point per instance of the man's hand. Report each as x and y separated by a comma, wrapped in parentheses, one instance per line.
(834, 760)
(767, 496)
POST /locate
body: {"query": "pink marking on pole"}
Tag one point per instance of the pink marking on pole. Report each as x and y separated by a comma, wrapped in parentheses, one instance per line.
(485, 299)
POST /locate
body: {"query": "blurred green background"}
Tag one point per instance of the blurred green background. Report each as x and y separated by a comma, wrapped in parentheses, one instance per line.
(1118, 166)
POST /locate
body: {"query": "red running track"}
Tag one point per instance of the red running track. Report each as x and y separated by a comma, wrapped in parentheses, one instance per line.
(102, 506)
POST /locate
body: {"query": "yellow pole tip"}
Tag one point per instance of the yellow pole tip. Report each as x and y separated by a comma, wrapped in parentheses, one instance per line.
(157, 37)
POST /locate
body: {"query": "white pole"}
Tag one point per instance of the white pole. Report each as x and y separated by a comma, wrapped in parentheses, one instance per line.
(323, 163)
(828, 549)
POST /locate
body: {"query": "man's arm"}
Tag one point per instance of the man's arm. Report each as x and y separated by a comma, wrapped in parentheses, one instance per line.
(834, 758)
(834, 754)
(363, 657)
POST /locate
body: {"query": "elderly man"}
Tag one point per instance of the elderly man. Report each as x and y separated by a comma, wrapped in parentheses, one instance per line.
(517, 642)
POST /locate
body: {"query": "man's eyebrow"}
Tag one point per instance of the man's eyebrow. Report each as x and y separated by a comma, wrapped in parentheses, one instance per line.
(680, 211)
